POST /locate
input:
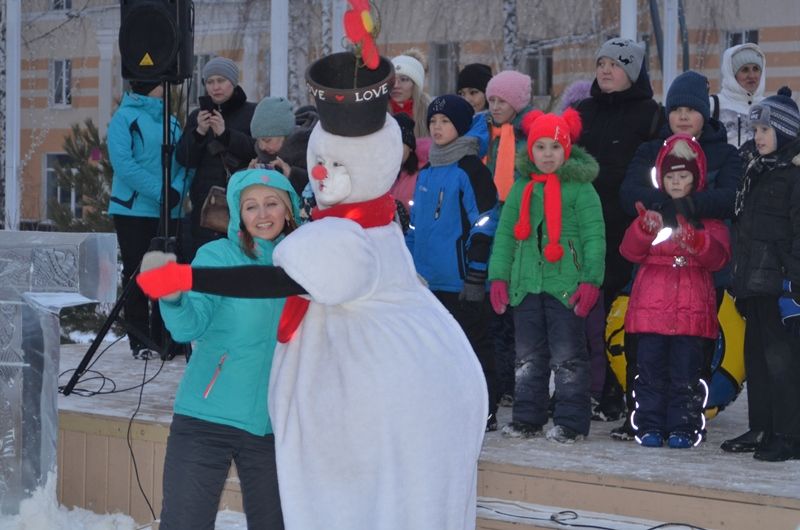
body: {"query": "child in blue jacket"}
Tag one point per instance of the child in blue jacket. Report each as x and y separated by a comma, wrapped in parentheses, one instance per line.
(453, 220)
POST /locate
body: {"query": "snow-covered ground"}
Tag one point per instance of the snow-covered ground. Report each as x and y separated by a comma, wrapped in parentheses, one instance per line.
(704, 466)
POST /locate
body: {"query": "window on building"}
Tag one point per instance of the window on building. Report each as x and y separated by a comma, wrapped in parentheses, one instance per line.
(443, 66)
(61, 82)
(55, 192)
(539, 65)
(62, 5)
(740, 37)
(197, 88)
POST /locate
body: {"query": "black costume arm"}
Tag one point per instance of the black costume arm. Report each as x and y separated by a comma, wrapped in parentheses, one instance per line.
(249, 281)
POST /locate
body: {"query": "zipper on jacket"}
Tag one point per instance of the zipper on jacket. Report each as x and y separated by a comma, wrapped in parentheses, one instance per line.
(214, 377)
(574, 254)
(438, 209)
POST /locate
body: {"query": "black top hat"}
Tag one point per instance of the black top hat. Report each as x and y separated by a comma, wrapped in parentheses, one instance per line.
(351, 101)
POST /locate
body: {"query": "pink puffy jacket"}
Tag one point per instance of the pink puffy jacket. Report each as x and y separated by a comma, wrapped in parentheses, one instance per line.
(673, 293)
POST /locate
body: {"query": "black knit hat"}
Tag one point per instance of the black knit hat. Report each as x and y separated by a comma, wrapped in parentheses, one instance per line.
(457, 110)
(143, 87)
(689, 89)
(407, 128)
(475, 75)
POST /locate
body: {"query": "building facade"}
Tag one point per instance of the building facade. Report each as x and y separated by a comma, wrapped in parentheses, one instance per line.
(71, 65)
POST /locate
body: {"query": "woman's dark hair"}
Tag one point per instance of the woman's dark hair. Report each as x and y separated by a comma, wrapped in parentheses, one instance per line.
(411, 165)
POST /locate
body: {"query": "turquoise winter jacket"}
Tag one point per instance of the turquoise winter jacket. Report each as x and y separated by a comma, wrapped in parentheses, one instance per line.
(227, 378)
(135, 136)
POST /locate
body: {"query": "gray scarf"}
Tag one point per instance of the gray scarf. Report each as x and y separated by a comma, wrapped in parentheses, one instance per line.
(442, 155)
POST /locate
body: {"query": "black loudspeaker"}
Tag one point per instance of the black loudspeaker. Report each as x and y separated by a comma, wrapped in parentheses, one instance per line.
(156, 40)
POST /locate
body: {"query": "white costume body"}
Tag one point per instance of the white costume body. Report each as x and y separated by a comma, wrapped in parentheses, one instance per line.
(378, 403)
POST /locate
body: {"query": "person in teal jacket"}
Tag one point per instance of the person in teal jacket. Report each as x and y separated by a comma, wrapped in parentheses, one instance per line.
(547, 263)
(135, 137)
(221, 403)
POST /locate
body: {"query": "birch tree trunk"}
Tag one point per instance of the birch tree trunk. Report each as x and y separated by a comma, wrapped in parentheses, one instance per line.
(510, 48)
(2, 108)
(327, 27)
(298, 51)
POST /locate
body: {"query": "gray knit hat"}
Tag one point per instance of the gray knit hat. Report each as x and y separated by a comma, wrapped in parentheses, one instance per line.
(779, 112)
(746, 56)
(272, 117)
(224, 67)
(626, 53)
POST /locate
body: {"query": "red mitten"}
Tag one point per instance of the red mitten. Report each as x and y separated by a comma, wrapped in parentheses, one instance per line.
(170, 279)
(650, 221)
(498, 295)
(688, 237)
(584, 299)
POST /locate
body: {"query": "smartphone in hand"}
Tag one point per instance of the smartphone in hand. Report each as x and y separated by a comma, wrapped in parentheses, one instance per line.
(206, 103)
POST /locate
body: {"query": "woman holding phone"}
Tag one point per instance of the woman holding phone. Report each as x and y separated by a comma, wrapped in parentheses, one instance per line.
(215, 143)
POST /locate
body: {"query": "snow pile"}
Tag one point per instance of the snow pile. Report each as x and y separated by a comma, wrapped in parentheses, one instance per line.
(42, 512)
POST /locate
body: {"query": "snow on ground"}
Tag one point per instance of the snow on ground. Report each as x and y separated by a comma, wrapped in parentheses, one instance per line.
(42, 512)
(705, 466)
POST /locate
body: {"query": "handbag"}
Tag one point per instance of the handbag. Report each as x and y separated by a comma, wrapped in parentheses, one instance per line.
(214, 214)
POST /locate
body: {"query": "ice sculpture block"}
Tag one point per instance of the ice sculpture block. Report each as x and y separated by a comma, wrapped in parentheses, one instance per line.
(40, 273)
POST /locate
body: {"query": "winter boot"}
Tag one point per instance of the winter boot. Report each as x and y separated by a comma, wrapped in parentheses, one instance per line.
(563, 435)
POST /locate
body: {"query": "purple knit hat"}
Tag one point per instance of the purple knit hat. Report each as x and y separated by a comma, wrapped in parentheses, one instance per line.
(513, 87)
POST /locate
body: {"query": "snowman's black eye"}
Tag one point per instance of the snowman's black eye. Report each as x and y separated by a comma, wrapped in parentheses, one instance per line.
(337, 164)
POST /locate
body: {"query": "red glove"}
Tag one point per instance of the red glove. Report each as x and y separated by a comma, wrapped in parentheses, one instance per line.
(650, 221)
(498, 295)
(687, 236)
(170, 279)
(584, 299)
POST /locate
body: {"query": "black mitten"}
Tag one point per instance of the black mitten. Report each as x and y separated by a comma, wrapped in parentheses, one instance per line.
(174, 198)
(685, 207)
(474, 289)
(668, 215)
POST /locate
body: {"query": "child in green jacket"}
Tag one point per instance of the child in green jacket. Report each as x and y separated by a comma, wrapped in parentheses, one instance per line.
(548, 263)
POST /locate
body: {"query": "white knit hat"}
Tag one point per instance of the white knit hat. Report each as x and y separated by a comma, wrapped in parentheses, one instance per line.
(746, 56)
(410, 67)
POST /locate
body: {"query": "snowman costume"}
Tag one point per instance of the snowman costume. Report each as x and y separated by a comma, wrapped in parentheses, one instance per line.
(377, 400)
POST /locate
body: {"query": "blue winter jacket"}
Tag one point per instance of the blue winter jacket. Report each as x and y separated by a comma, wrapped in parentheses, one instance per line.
(135, 136)
(453, 221)
(227, 378)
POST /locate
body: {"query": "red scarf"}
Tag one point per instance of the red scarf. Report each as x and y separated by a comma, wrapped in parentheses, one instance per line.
(553, 251)
(406, 107)
(368, 214)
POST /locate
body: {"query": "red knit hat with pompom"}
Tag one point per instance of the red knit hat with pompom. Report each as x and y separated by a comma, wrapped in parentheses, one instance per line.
(564, 129)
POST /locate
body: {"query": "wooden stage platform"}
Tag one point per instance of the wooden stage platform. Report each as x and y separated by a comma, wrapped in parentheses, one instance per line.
(523, 484)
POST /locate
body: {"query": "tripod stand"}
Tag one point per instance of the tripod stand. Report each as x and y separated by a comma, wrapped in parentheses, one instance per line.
(164, 242)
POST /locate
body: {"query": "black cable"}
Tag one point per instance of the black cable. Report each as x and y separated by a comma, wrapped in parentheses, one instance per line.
(89, 393)
(570, 515)
(128, 435)
(82, 392)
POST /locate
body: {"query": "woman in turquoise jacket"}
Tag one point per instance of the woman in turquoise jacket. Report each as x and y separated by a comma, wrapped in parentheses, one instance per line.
(221, 404)
(134, 149)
